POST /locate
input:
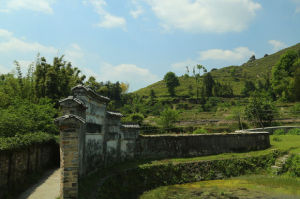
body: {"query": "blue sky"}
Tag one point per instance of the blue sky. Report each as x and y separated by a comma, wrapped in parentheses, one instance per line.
(138, 41)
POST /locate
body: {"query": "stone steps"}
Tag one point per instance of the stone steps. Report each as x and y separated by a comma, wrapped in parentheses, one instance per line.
(279, 163)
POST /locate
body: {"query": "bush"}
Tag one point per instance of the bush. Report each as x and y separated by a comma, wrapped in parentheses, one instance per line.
(294, 132)
(292, 166)
(20, 141)
(296, 109)
(168, 118)
(134, 118)
(200, 131)
(23, 117)
(260, 110)
(279, 132)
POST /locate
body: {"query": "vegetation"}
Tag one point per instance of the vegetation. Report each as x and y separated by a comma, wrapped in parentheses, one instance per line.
(260, 110)
(168, 118)
(142, 175)
(171, 82)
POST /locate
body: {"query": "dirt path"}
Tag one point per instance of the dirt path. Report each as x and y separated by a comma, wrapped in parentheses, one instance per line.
(46, 188)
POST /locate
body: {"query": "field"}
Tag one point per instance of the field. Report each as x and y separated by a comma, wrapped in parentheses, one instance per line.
(245, 187)
(265, 185)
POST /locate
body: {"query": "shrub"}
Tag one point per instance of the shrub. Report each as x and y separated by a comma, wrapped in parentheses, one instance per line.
(23, 117)
(20, 141)
(168, 118)
(279, 132)
(292, 166)
(260, 110)
(294, 132)
(200, 131)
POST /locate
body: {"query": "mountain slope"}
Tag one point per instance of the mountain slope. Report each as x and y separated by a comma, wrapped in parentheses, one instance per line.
(233, 75)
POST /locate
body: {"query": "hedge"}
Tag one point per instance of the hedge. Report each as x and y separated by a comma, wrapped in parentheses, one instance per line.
(22, 141)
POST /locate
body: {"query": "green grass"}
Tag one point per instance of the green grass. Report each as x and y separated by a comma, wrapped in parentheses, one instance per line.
(234, 75)
(287, 143)
(250, 187)
(284, 143)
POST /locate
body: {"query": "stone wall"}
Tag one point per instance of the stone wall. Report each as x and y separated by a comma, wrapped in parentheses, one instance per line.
(271, 130)
(158, 146)
(101, 140)
(17, 165)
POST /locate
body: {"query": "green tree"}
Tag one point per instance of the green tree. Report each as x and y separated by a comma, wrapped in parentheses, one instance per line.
(55, 80)
(171, 82)
(197, 75)
(152, 94)
(283, 79)
(297, 84)
(208, 83)
(249, 87)
(260, 110)
(168, 118)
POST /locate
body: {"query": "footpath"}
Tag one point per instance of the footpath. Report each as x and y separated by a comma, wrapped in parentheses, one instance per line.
(47, 188)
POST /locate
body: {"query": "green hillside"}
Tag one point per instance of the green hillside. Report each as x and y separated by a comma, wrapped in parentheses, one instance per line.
(233, 75)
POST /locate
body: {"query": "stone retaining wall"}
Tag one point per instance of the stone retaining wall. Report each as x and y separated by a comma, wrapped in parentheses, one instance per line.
(17, 165)
(271, 130)
(158, 146)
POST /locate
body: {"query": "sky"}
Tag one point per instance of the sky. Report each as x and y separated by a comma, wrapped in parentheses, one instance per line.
(139, 41)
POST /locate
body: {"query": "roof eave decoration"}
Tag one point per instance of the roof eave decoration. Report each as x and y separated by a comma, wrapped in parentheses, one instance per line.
(91, 92)
(76, 100)
(69, 116)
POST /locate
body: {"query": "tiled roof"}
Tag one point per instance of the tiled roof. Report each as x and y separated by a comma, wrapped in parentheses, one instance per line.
(62, 118)
(91, 91)
(78, 101)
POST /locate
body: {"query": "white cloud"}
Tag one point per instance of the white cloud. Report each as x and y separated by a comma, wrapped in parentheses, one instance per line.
(277, 45)
(236, 55)
(107, 19)
(205, 15)
(137, 12)
(213, 57)
(9, 43)
(137, 77)
(34, 5)
(74, 53)
(138, 9)
(111, 21)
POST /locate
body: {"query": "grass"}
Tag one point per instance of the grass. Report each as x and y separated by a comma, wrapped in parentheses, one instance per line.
(234, 75)
(284, 143)
(250, 187)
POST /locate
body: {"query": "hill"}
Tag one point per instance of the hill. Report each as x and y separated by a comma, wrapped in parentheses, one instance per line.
(233, 75)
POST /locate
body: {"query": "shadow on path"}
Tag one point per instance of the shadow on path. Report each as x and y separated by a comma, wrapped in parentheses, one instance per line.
(47, 187)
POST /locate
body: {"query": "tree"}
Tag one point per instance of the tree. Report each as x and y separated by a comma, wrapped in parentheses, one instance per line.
(283, 79)
(252, 58)
(297, 84)
(171, 82)
(168, 118)
(152, 94)
(197, 78)
(249, 87)
(124, 87)
(260, 110)
(208, 83)
(55, 81)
